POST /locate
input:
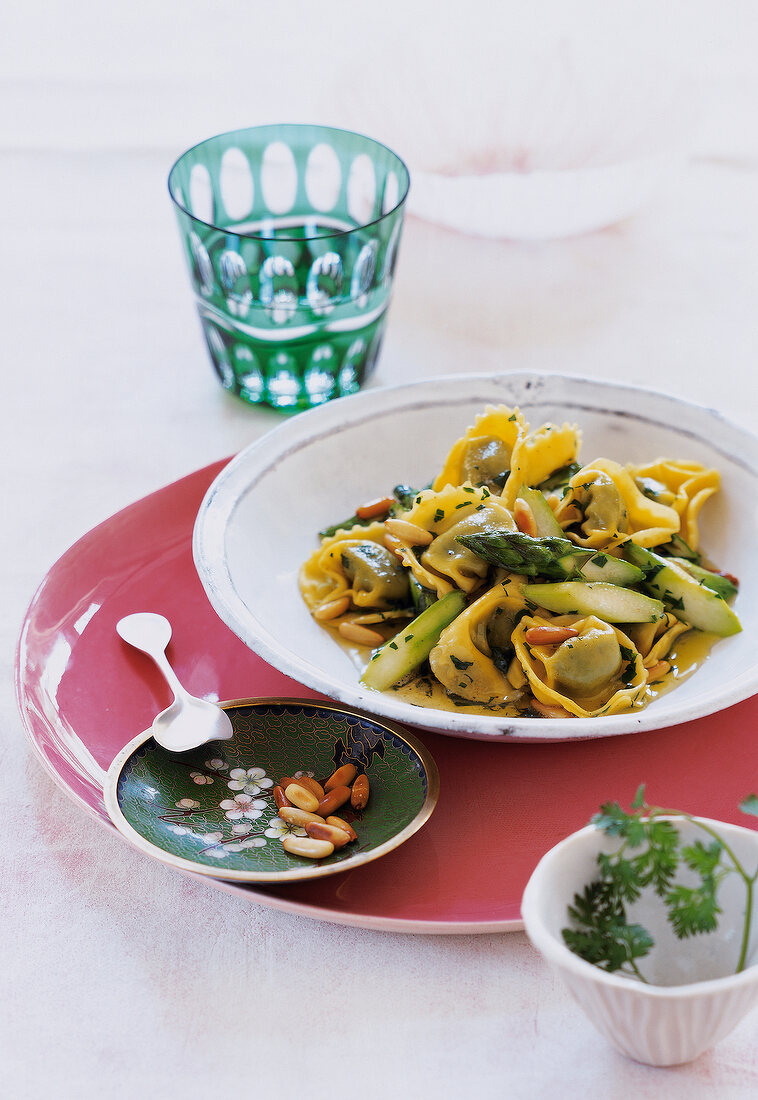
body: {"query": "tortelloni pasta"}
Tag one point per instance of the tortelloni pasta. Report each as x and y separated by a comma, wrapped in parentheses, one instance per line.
(524, 583)
(595, 671)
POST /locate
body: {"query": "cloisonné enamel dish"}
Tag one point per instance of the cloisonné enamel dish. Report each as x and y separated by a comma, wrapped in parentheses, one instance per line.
(212, 810)
(260, 520)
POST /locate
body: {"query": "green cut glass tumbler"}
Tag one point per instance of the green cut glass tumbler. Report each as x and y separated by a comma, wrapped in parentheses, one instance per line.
(291, 234)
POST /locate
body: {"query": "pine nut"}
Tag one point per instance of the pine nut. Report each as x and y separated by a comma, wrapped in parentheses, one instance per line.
(301, 797)
(660, 668)
(409, 533)
(332, 609)
(306, 846)
(293, 816)
(332, 801)
(311, 785)
(338, 837)
(373, 508)
(547, 710)
(549, 635)
(360, 792)
(340, 823)
(280, 798)
(342, 777)
(360, 634)
(395, 545)
(524, 517)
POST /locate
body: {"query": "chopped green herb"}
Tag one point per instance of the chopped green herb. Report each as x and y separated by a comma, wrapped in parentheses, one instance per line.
(460, 665)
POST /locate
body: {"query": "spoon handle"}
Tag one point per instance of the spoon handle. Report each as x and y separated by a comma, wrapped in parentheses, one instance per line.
(169, 675)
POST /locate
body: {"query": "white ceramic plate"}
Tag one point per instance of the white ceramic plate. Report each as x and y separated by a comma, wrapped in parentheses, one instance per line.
(260, 518)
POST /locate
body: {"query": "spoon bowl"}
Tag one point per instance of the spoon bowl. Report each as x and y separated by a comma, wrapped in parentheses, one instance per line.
(188, 722)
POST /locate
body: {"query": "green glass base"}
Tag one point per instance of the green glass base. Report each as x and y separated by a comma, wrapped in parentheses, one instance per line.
(297, 374)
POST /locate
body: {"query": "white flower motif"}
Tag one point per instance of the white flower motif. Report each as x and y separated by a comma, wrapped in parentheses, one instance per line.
(278, 829)
(211, 838)
(200, 778)
(216, 764)
(299, 775)
(187, 804)
(242, 805)
(250, 842)
(180, 830)
(250, 780)
(217, 853)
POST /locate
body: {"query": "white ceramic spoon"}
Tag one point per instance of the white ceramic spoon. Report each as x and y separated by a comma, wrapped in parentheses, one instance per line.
(189, 722)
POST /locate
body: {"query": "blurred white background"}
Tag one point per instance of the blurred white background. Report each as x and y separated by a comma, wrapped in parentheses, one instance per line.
(453, 86)
(120, 974)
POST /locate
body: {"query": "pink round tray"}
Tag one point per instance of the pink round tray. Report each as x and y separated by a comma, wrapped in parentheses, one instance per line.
(83, 695)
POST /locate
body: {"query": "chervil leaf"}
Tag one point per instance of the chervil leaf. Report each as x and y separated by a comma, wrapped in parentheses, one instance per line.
(617, 822)
(693, 910)
(622, 874)
(749, 805)
(703, 859)
(639, 799)
(663, 856)
(604, 937)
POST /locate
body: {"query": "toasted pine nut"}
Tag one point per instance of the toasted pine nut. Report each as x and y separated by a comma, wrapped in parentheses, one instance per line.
(280, 798)
(342, 777)
(524, 517)
(547, 710)
(340, 823)
(332, 801)
(409, 533)
(301, 797)
(311, 784)
(336, 836)
(306, 846)
(331, 609)
(293, 816)
(359, 793)
(360, 634)
(549, 635)
(372, 508)
(393, 544)
(660, 668)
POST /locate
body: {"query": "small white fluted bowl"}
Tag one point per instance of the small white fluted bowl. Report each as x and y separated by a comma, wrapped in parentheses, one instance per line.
(696, 1000)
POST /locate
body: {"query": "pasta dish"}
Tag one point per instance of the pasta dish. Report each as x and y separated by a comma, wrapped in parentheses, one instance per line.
(524, 582)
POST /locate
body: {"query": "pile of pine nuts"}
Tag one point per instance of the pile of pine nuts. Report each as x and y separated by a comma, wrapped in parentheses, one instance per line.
(304, 801)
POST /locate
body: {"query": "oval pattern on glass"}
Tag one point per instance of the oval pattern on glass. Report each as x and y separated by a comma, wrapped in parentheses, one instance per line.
(201, 193)
(324, 283)
(234, 281)
(278, 288)
(361, 189)
(391, 193)
(323, 177)
(236, 183)
(278, 177)
(363, 272)
(203, 265)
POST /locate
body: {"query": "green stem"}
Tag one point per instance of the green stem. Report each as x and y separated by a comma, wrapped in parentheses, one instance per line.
(638, 972)
(749, 880)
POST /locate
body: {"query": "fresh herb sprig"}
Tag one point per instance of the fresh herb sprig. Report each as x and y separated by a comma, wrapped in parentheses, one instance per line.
(648, 857)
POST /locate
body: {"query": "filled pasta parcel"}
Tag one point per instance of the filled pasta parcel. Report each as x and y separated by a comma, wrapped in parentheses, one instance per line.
(523, 580)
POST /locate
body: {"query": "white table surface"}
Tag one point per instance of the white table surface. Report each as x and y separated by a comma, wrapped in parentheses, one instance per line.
(121, 977)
